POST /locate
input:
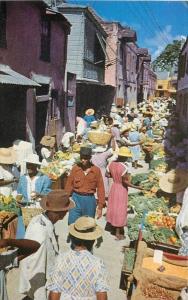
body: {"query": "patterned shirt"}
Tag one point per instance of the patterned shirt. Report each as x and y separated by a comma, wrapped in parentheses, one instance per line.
(78, 275)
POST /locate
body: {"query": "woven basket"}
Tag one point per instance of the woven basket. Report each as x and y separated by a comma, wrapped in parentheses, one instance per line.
(29, 212)
(99, 138)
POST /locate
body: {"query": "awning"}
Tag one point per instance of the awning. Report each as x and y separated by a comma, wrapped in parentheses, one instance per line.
(41, 79)
(9, 76)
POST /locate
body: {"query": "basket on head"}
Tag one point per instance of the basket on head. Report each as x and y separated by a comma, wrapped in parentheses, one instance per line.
(98, 137)
(29, 212)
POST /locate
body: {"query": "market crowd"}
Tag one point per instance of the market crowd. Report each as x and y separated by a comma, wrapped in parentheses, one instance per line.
(97, 163)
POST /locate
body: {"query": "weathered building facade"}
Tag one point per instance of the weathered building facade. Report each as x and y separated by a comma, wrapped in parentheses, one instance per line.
(128, 67)
(33, 42)
(86, 58)
(121, 65)
(182, 88)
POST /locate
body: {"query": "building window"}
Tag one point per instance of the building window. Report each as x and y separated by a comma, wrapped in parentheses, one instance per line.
(160, 87)
(45, 40)
(3, 14)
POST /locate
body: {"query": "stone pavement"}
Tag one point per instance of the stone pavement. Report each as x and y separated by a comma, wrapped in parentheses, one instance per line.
(109, 251)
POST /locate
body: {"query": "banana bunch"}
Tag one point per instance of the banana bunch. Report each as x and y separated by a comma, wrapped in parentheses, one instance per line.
(63, 155)
(6, 199)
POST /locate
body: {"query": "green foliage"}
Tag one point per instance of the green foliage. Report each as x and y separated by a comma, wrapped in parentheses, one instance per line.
(168, 57)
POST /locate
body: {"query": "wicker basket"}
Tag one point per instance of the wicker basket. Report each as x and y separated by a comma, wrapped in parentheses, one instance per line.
(99, 138)
(29, 212)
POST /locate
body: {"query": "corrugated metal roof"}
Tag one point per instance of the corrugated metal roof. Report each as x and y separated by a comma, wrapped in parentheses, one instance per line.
(41, 78)
(9, 76)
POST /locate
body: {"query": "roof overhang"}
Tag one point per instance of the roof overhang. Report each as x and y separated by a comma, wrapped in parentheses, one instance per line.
(9, 76)
(41, 79)
(128, 35)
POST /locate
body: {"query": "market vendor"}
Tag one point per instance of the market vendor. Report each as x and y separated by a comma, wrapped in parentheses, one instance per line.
(67, 141)
(125, 141)
(81, 128)
(100, 159)
(40, 238)
(34, 182)
(176, 181)
(83, 182)
(7, 179)
(89, 116)
(147, 122)
(48, 149)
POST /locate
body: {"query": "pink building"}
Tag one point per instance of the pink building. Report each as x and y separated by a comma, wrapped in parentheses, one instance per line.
(121, 65)
(33, 42)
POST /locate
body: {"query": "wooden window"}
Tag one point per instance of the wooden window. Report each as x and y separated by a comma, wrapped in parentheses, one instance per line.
(3, 14)
(160, 87)
(45, 40)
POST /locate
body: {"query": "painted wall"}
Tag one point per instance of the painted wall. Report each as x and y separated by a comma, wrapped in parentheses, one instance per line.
(75, 50)
(23, 48)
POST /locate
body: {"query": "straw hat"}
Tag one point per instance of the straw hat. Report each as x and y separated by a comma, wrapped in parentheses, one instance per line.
(125, 128)
(99, 149)
(57, 200)
(174, 181)
(32, 159)
(85, 228)
(90, 112)
(124, 151)
(7, 156)
(148, 113)
(48, 141)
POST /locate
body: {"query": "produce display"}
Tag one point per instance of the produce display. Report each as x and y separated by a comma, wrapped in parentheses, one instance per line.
(157, 226)
(151, 291)
(54, 170)
(8, 206)
(161, 220)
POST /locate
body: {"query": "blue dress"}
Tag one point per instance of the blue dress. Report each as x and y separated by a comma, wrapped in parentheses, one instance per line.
(134, 137)
(42, 186)
(89, 119)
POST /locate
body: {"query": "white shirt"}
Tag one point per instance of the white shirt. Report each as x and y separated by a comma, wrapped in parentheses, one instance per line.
(182, 218)
(31, 186)
(6, 174)
(35, 268)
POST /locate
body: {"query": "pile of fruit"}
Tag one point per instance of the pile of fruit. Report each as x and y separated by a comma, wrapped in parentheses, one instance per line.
(8, 205)
(54, 170)
(160, 220)
(153, 291)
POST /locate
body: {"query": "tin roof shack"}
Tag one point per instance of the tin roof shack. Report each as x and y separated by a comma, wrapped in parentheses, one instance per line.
(182, 88)
(121, 64)
(33, 41)
(13, 89)
(86, 57)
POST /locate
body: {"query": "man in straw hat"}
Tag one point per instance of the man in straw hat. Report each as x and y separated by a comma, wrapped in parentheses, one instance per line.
(48, 149)
(83, 182)
(41, 240)
(78, 274)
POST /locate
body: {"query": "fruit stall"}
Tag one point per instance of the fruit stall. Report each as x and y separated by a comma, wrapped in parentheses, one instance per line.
(9, 211)
(153, 222)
